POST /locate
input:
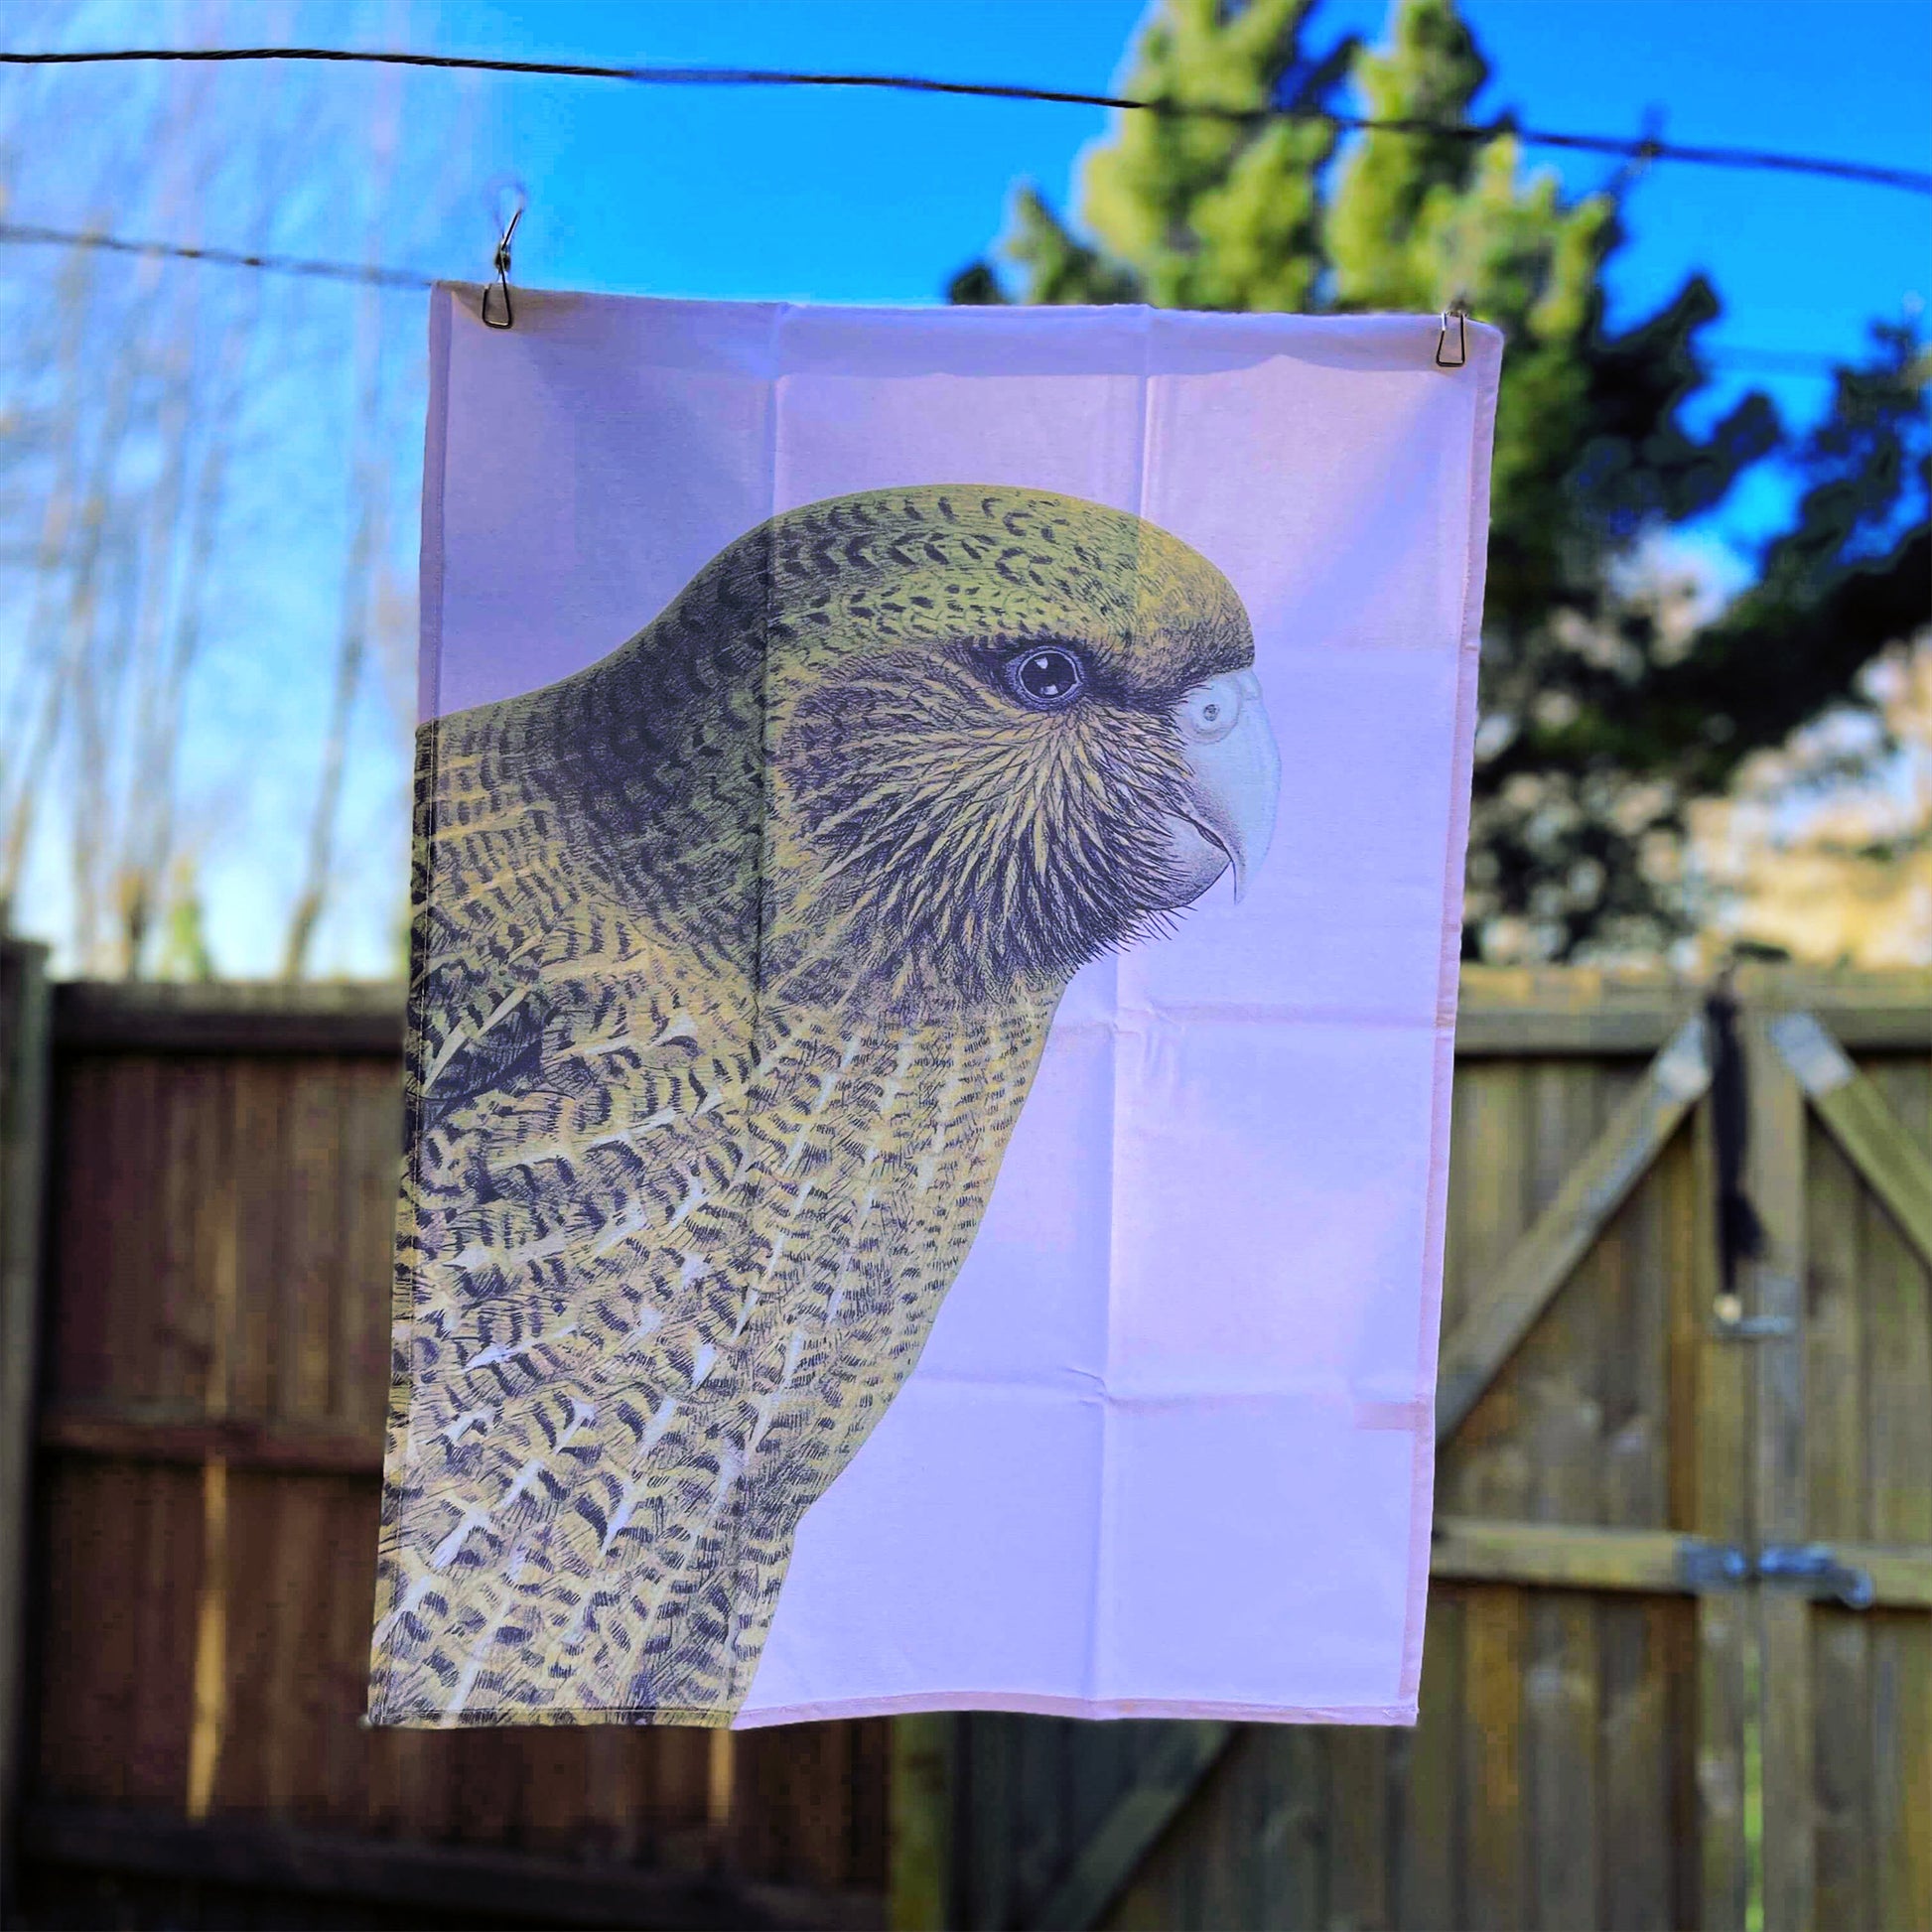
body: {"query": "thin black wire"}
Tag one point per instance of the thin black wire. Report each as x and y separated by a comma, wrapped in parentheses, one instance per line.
(326, 271)
(1913, 179)
(1770, 361)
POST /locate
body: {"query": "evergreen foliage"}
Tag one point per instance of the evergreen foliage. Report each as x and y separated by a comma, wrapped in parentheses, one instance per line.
(1605, 706)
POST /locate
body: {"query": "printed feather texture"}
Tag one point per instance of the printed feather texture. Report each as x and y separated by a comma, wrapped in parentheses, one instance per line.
(734, 956)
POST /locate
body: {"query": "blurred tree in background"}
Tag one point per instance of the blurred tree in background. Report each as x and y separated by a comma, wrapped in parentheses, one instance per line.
(1611, 702)
(206, 559)
(1824, 844)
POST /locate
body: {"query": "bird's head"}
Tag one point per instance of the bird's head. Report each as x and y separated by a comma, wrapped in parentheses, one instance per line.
(1008, 731)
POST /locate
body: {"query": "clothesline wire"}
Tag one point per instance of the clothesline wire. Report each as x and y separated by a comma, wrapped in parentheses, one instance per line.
(366, 273)
(1645, 147)
(372, 275)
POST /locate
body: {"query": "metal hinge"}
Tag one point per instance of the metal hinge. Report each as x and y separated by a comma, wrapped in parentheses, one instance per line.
(1704, 1567)
(1811, 1569)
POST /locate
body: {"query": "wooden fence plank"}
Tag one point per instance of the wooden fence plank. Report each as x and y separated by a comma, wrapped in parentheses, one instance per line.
(77, 1342)
(986, 1897)
(171, 1437)
(177, 1018)
(1517, 1013)
(1567, 1556)
(130, 1154)
(1879, 1012)
(1501, 1014)
(1219, 1872)
(1842, 1754)
(1148, 1807)
(1902, 1764)
(1281, 1825)
(1493, 1180)
(1427, 1849)
(1637, 1852)
(1775, 1177)
(372, 1127)
(438, 1879)
(1543, 1260)
(1039, 1807)
(1714, 1449)
(1643, 1841)
(262, 1091)
(164, 1635)
(1561, 1372)
(1835, 1339)
(1499, 1031)
(1485, 1032)
(1834, 1442)
(1897, 1284)
(348, 1751)
(1684, 1311)
(308, 1283)
(1888, 1160)
(1563, 1555)
(1358, 1878)
(1492, 1823)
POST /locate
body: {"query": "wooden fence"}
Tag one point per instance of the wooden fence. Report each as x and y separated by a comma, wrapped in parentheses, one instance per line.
(218, 1178)
(1647, 1699)
(1678, 1669)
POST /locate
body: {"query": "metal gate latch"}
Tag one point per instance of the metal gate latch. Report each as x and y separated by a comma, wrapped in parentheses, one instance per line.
(1812, 1568)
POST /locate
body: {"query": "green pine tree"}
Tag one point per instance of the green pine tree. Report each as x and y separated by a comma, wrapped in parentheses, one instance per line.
(1589, 686)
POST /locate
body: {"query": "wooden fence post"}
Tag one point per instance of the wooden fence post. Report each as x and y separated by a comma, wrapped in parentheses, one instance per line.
(24, 1041)
(919, 1827)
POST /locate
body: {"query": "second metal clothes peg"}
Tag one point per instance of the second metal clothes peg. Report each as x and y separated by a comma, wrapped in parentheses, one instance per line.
(501, 263)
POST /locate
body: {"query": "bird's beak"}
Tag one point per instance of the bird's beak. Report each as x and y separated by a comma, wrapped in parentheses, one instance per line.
(1236, 769)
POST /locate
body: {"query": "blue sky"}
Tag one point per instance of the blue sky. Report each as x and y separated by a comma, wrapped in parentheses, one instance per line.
(833, 197)
(861, 197)
(844, 196)
(853, 196)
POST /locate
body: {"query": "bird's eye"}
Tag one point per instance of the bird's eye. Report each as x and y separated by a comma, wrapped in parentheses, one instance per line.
(1208, 712)
(1046, 678)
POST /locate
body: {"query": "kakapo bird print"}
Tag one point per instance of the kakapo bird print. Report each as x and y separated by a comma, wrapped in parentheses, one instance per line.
(734, 957)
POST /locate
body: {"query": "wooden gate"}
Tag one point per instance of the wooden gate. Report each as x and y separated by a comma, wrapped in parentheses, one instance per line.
(1679, 1657)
